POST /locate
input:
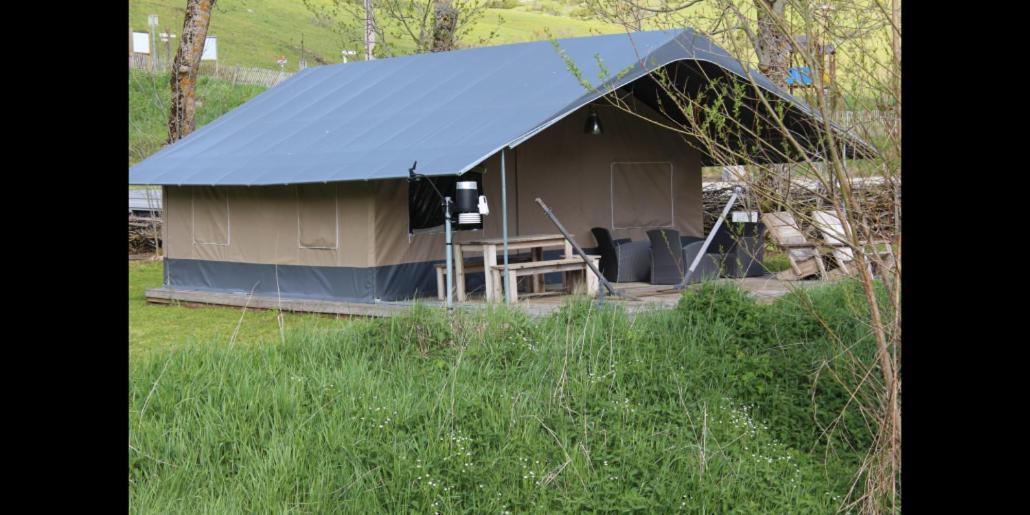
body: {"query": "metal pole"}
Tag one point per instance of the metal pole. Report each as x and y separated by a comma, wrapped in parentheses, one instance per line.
(153, 47)
(708, 240)
(412, 176)
(450, 264)
(504, 226)
(168, 49)
(579, 250)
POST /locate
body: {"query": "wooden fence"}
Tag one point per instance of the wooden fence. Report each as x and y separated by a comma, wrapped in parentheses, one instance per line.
(873, 122)
(233, 74)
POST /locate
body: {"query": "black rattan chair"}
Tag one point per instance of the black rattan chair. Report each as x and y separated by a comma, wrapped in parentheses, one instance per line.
(622, 260)
(745, 255)
(670, 259)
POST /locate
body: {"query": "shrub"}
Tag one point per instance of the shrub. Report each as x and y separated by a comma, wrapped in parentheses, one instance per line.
(503, 4)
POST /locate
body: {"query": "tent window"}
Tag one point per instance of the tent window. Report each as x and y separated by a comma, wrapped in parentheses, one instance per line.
(641, 195)
(210, 215)
(425, 215)
(317, 220)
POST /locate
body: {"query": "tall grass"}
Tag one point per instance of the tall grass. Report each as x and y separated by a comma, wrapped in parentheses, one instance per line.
(719, 404)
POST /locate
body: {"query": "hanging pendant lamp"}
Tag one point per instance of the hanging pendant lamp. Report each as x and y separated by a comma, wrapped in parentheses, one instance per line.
(593, 125)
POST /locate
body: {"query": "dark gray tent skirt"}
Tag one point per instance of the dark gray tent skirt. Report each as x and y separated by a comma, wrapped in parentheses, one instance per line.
(345, 284)
(339, 283)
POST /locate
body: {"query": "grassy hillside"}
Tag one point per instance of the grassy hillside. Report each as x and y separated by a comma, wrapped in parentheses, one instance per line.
(516, 26)
(256, 32)
(250, 32)
(149, 104)
(708, 408)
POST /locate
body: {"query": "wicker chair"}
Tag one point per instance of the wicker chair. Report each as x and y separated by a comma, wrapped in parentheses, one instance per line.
(743, 245)
(670, 258)
(622, 260)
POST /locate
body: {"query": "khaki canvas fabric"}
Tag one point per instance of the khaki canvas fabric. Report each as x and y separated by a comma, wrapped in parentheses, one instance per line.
(273, 224)
(632, 182)
(210, 216)
(391, 199)
(573, 172)
(317, 216)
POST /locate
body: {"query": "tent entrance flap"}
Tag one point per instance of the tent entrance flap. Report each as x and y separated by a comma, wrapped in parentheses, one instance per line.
(424, 205)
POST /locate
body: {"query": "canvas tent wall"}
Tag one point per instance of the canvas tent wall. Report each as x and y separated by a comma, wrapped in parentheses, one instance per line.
(350, 241)
(307, 241)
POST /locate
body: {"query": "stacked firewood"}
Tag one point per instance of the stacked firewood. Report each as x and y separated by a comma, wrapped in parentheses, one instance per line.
(875, 197)
(144, 234)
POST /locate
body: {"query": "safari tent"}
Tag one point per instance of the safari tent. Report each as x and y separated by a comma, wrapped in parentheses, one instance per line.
(304, 191)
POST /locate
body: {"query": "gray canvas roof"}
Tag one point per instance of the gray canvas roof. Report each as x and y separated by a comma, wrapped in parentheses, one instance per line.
(449, 111)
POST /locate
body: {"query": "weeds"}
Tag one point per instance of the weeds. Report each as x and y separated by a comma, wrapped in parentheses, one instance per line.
(697, 409)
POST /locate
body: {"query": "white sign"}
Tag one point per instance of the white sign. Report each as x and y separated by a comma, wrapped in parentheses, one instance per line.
(141, 42)
(152, 20)
(745, 216)
(210, 49)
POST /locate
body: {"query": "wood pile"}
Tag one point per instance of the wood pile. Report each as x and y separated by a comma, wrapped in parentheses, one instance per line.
(873, 195)
(144, 233)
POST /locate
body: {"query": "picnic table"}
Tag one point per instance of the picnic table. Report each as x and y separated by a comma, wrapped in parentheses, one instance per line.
(490, 246)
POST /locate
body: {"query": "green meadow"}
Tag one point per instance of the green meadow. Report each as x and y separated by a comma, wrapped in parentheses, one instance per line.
(721, 404)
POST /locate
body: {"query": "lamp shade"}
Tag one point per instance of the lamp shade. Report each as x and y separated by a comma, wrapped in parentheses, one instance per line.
(593, 124)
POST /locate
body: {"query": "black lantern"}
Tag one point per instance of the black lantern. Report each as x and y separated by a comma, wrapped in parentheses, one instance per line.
(593, 126)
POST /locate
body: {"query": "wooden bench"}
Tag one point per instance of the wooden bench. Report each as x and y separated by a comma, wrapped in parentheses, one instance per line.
(582, 281)
(441, 273)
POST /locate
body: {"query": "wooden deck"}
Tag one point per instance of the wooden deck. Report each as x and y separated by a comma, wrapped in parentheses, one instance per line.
(651, 297)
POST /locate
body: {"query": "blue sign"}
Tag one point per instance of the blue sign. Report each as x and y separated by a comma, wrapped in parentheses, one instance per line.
(799, 76)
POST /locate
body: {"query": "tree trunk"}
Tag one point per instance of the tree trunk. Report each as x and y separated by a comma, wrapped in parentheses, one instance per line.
(773, 45)
(773, 49)
(185, 67)
(896, 47)
(445, 21)
(370, 31)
